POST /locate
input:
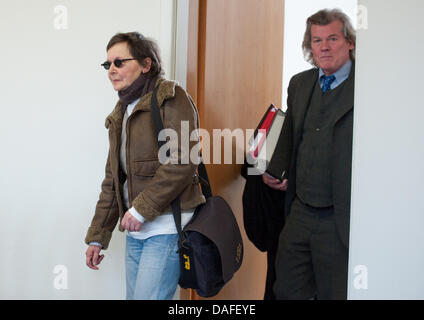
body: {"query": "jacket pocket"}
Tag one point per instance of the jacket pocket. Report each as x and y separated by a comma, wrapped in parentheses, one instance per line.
(145, 168)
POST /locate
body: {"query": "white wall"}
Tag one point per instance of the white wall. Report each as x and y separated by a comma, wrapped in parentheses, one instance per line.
(55, 97)
(181, 42)
(387, 238)
(296, 12)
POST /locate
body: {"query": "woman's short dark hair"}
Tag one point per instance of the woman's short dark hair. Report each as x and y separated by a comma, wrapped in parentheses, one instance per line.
(140, 48)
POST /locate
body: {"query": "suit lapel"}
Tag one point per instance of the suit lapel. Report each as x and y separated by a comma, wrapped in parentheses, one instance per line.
(304, 97)
(305, 94)
(348, 96)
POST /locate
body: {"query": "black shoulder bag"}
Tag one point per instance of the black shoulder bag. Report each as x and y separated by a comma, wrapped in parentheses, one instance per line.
(210, 245)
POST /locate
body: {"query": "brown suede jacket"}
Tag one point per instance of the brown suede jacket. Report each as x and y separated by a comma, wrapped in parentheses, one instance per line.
(151, 185)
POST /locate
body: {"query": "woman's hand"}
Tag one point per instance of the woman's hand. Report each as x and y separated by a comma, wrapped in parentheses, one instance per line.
(93, 258)
(130, 223)
(275, 183)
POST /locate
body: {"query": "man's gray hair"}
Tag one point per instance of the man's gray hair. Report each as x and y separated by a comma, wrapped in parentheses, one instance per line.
(323, 18)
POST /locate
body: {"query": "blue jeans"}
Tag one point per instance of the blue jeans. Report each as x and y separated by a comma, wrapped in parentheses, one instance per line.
(152, 267)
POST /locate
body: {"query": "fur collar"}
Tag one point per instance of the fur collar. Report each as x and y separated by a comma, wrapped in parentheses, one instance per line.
(166, 91)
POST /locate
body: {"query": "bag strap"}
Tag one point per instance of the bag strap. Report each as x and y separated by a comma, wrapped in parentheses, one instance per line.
(175, 204)
(205, 184)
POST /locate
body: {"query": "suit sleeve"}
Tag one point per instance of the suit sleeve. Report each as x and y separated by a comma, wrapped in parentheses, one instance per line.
(107, 213)
(284, 145)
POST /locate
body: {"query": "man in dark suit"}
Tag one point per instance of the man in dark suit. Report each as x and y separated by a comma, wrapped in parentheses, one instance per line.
(312, 258)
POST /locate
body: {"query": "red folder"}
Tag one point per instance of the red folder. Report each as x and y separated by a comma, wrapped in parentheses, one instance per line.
(265, 124)
(262, 158)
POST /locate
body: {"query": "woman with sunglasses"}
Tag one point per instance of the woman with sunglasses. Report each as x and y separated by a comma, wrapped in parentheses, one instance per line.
(138, 188)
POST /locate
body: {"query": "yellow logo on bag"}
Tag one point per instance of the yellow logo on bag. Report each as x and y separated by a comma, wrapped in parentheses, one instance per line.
(187, 262)
(239, 251)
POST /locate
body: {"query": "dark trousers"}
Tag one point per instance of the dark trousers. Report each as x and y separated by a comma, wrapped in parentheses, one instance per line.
(311, 261)
(270, 274)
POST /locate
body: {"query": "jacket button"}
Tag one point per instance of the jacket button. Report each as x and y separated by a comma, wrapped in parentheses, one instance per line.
(195, 179)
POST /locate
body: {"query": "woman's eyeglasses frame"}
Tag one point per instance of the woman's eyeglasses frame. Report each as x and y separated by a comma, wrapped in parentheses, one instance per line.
(117, 62)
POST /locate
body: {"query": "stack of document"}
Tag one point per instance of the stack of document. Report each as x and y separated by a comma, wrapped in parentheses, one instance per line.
(263, 143)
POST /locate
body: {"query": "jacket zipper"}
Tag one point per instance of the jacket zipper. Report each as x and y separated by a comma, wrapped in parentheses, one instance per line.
(127, 157)
(115, 154)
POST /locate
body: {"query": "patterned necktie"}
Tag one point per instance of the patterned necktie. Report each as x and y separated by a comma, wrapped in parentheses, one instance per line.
(328, 80)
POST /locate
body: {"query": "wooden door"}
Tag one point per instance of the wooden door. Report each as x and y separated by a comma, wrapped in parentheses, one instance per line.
(234, 73)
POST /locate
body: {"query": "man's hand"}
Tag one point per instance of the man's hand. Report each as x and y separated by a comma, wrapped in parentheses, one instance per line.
(275, 183)
(130, 223)
(92, 257)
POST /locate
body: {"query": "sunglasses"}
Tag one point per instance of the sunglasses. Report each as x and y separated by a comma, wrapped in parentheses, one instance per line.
(117, 62)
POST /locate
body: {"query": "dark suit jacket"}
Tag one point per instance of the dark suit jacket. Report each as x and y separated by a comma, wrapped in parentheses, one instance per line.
(263, 218)
(263, 211)
(299, 96)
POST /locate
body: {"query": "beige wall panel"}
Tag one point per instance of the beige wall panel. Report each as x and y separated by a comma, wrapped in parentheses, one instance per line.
(235, 73)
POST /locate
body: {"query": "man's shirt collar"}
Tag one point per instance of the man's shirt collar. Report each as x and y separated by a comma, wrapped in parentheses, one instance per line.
(341, 75)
